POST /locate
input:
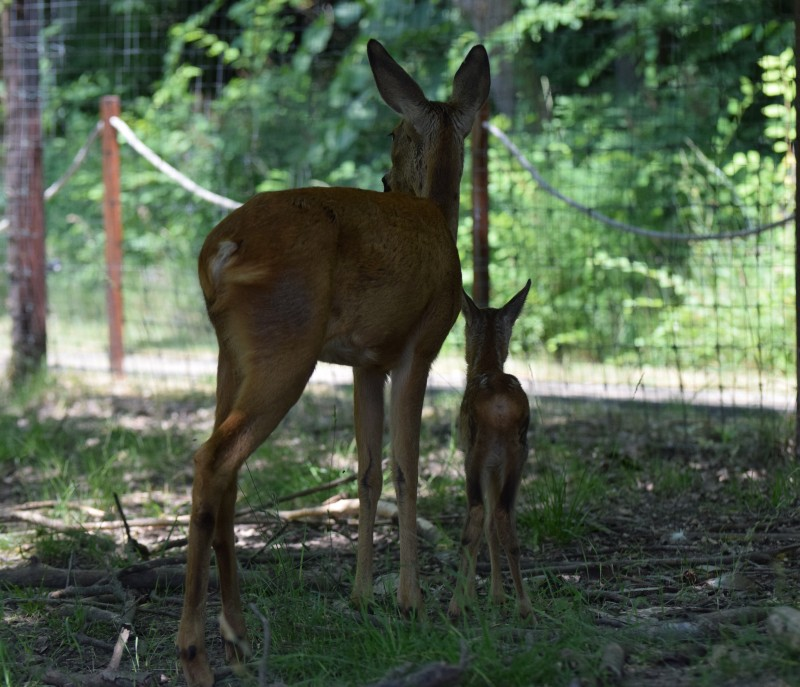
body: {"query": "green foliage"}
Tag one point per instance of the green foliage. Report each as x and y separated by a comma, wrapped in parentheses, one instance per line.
(664, 131)
(658, 114)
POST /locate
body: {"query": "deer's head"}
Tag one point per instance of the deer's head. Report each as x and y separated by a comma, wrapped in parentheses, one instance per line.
(428, 143)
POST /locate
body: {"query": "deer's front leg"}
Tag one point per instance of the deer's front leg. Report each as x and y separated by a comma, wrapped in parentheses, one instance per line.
(368, 386)
(408, 394)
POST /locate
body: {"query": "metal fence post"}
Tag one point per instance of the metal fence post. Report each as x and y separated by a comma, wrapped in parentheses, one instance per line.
(112, 219)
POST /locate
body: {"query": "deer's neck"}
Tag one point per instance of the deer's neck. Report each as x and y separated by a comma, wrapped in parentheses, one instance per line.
(488, 361)
(444, 180)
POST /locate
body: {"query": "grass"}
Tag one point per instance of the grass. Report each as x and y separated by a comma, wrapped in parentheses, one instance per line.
(625, 515)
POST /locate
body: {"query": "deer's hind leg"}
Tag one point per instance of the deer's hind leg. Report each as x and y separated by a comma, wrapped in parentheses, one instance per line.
(257, 387)
(232, 622)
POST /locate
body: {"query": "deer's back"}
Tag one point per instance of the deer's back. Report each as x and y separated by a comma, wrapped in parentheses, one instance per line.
(495, 410)
(496, 401)
(495, 415)
(376, 267)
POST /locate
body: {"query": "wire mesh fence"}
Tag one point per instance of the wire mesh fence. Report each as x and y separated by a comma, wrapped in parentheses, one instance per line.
(636, 112)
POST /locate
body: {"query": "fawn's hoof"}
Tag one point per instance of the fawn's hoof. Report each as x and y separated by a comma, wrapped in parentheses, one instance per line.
(454, 610)
(524, 609)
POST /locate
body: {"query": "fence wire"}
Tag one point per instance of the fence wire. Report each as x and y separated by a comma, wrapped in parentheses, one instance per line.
(657, 315)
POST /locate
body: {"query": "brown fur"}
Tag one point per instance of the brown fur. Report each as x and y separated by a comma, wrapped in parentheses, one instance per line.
(348, 276)
(494, 419)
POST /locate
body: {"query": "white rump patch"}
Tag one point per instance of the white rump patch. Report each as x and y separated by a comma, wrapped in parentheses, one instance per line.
(224, 252)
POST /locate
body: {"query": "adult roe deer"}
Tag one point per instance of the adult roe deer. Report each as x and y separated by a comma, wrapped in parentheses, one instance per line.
(493, 423)
(347, 276)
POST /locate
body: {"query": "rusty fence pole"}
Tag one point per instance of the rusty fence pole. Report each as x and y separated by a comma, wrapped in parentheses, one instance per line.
(22, 23)
(112, 220)
(480, 208)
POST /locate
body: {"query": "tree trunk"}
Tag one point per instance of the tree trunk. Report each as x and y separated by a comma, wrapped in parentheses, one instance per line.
(24, 188)
(485, 16)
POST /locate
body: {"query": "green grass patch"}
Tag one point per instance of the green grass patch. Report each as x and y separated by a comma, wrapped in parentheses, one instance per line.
(633, 520)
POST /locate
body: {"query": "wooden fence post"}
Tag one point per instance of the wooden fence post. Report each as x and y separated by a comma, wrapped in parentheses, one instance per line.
(480, 208)
(27, 281)
(112, 219)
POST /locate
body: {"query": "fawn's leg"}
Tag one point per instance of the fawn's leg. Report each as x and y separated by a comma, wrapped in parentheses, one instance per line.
(464, 591)
(409, 380)
(368, 386)
(507, 533)
(496, 593)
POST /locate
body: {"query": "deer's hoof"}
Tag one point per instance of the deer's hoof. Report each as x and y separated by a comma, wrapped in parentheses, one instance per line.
(412, 605)
(195, 665)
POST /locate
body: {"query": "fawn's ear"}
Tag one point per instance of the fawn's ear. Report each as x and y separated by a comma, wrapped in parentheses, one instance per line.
(398, 90)
(511, 310)
(468, 307)
(471, 86)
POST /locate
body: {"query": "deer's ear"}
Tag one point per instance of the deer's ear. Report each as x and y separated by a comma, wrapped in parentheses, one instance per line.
(471, 86)
(511, 310)
(468, 307)
(398, 90)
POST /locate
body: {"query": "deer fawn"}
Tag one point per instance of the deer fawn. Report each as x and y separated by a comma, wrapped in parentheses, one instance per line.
(347, 276)
(493, 423)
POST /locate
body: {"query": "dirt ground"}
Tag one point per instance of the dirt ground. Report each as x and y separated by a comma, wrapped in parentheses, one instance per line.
(667, 538)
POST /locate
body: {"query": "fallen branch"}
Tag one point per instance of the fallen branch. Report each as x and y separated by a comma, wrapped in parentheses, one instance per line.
(339, 508)
(134, 577)
(349, 507)
(134, 543)
(705, 625)
(74, 591)
(105, 678)
(761, 557)
(435, 674)
(320, 487)
(119, 647)
(34, 518)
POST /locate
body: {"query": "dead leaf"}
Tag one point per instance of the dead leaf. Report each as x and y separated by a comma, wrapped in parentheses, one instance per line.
(732, 582)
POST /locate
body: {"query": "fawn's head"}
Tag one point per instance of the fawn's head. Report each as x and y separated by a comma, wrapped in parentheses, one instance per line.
(428, 143)
(488, 330)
